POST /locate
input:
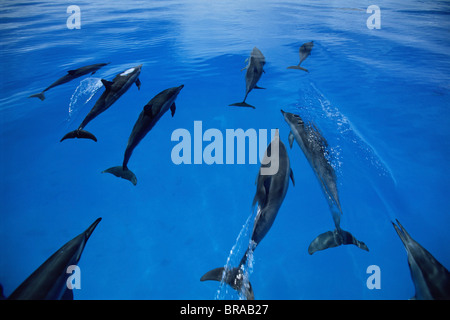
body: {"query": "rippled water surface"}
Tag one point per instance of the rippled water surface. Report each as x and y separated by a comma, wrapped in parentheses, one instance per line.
(380, 97)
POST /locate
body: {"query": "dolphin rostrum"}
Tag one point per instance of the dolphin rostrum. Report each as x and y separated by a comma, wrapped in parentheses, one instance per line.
(252, 76)
(431, 279)
(304, 52)
(71, 74)
(149, 116)
(49, 281)
(270, 192)
(315, 148)
(113, 91)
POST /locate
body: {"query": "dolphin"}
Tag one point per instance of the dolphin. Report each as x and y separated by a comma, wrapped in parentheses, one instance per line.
(315, 148)
(431, 279)
(304, 52)
(270, 192)
(71, 74)
(252, 76)
(113, 91)
(149, 116)
(48, 282)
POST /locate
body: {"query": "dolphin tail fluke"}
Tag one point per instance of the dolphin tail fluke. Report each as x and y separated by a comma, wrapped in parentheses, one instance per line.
(331, 239)
(234, 278)
(39, 95)
(122, 172)
(298, 68)
(242, 104)
(83, 134)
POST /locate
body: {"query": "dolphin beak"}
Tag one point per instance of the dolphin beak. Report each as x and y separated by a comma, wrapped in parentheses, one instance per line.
(180, 87)
(89, 230)
(282, 112)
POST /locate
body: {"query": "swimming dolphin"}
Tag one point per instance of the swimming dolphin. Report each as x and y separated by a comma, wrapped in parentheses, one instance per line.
(71, 74)
(270, 192)
(304, 52)
(431, 279)
(315, 148)
(113, 91)
(252, 76)
(152, 112)
(48, 282)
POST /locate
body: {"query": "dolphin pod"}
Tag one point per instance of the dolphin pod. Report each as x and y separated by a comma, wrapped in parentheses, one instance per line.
(71, 74)
(271, 190)
(252, 76)
(431, 279)
(113, 91)
(149, 116)
(48, 282)
(304, 52)
(314, 146)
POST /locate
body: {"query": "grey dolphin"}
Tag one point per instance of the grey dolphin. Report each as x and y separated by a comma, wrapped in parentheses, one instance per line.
(315, 148)
(252, 76)
(270, 193)
(113, 91)
(71, 74)
(48, 282)
(152, 112)
(304, 52)
(431, 279)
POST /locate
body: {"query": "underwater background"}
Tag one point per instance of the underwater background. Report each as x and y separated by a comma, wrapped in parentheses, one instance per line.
(379, 96)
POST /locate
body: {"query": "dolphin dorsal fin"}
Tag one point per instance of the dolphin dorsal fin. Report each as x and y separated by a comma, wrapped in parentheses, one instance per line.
(107, 84)
(148, 110)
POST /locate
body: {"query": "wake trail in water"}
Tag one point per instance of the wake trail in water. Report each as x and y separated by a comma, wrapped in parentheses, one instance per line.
(225, 292)
(316, 108)
(82, 95)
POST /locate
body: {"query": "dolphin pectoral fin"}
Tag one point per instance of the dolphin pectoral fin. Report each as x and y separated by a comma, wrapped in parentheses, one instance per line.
(138, 83)
(331, 239)
(123, 173)
(291, 174)
(291, 139)
(256, 87)
(79, 133)
(173, 107)
(234, 278)
(298, 68)
(38, 95)
(242, 104)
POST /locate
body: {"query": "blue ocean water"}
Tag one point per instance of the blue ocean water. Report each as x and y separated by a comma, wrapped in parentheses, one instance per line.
(379, 96)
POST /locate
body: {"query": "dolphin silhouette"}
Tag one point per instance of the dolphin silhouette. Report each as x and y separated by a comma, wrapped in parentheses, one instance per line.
(71, 74)
(271, 190)
(304, 52)
(314, 146)
(252, 76)
(48, 282)
(152, 112)
(113, 91)
(431, 279)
